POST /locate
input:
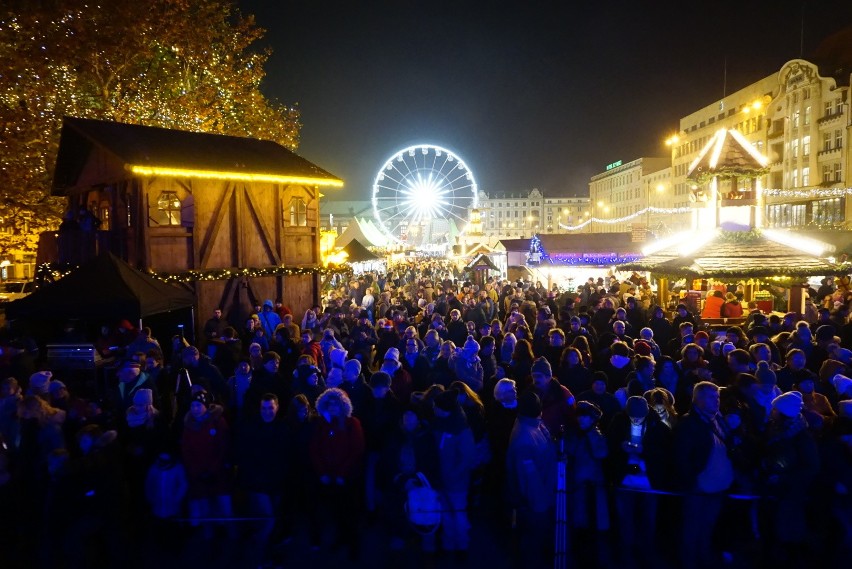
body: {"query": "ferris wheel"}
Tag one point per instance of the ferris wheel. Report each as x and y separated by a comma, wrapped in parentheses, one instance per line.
(423, 195)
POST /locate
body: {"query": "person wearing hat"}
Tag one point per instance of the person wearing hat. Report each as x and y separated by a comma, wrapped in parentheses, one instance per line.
(466, 365)
(641, 458)
(456, 458)
(401, 380)
(205, 447)
(39, 384)
(588, 448)
(531, 477)
(791, 461)
(131, 378)
(202, 371)
(557, 401)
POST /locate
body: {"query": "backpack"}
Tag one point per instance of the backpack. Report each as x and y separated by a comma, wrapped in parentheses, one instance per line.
(422, 505)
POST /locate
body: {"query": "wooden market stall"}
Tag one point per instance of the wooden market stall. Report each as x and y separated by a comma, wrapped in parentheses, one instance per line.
(218, 213)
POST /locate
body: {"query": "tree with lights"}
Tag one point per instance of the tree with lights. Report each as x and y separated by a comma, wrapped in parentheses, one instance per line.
(182, 64)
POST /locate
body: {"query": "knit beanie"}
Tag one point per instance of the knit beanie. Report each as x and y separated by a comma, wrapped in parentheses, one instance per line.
(636, 407)
(39, 382)
(542, 366)
(789, 404)
(529, 405)
(392, 354)
(55, 386)
(829, 369)
(380, 379)
(471, 346)
(844, 409)
(843, 385)
(765, 375)
(642, 348)
(144, 397)
(589, 409)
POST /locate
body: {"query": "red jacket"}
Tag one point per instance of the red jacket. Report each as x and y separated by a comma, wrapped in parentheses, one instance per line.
(337, 450)
(205, 445)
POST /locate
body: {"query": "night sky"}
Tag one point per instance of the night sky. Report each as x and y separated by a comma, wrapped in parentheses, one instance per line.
(529, 94)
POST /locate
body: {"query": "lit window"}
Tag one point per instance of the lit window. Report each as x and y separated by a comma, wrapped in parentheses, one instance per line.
(298, 212)
(168, 206)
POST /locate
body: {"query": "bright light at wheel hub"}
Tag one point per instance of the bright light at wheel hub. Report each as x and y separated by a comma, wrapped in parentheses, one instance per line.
(423, 198)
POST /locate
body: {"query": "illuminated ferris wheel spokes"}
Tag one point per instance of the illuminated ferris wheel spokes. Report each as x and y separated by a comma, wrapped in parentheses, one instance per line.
(423, 190)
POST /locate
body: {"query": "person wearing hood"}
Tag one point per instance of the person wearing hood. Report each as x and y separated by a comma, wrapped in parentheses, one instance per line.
(791, 464)
(269, 319)
(466, 365)
(239, 385)
(205, 446)
(456, 458)
(531, 479)
(336, 452)
(307, 379)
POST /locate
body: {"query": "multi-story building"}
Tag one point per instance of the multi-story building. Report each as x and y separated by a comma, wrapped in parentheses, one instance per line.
(797, 118)
(620, 197)
(521, 214)
(808, 150)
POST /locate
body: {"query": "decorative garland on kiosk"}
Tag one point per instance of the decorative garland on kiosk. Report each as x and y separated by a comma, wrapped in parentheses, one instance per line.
(52, 272)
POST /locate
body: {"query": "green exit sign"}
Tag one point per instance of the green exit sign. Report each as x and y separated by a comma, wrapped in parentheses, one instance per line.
(613, 165)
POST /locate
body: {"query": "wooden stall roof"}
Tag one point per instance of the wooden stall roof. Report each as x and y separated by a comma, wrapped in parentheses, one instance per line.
(481, 263)
(749, 255)
(146, 146)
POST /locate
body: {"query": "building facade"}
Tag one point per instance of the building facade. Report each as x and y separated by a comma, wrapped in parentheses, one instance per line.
(797, 118)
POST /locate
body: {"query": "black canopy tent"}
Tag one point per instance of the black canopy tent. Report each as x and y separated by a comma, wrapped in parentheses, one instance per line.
(358, 253)
(105, 289)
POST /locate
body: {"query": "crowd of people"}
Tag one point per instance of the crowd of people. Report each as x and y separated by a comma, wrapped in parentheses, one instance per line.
(680, 444)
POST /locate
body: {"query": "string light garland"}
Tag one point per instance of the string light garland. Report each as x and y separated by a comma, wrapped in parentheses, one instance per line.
(651, 209)
(808, 193)
(538, 255)
(50, 272)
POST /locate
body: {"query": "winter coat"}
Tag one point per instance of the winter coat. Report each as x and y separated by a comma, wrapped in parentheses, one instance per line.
(263, 456)
(456, 452)
(205, 446)
(337, 447)
(531, 466)
(657, 449)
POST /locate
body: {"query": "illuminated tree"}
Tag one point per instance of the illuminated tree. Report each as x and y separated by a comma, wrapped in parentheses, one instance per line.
(183, 64)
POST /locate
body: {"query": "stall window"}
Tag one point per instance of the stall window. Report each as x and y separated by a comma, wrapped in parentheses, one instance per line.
(298, 212)
(167, 210)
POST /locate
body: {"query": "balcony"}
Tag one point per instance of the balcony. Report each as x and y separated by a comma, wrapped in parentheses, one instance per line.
(830, 152)
(775, 133)
(829, 119)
